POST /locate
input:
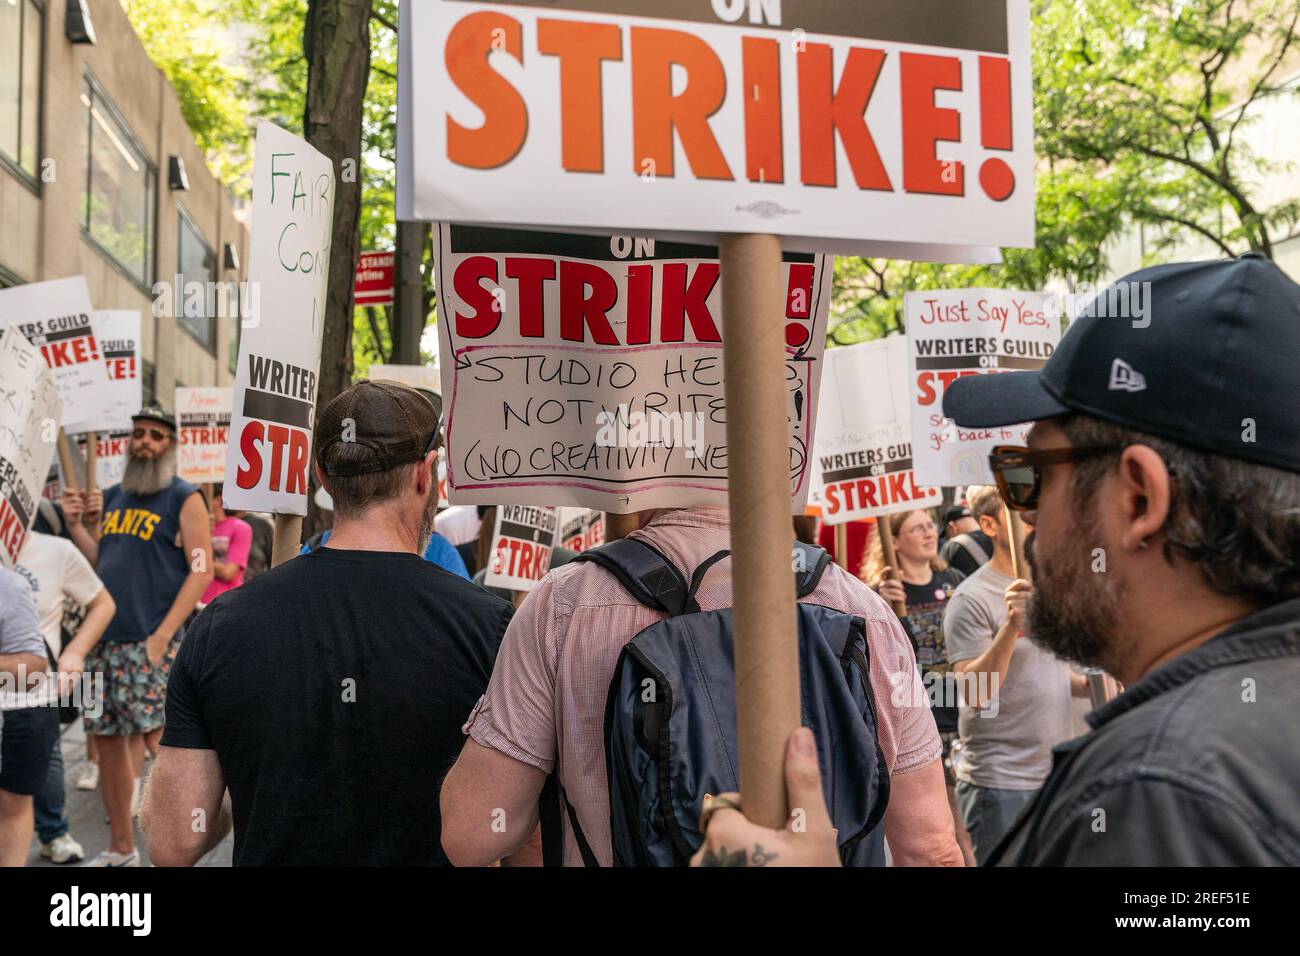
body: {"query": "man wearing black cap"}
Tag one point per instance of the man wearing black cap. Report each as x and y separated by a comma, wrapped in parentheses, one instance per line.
(1163, 473)
(965, 547)
(328, 694)
(155, 558)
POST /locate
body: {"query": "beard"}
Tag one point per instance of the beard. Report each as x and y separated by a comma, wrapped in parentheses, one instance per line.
(148, 476)
(1075, 610)
(427, 520)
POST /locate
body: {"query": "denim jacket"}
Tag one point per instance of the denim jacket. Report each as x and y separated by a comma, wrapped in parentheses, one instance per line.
(1197, 764)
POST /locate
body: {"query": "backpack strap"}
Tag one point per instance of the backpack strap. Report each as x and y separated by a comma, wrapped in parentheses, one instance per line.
(815, 560)
(972, 547)
(588, 857)
(644, 571)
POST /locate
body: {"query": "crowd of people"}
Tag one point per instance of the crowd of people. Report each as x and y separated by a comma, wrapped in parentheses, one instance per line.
(371, 702)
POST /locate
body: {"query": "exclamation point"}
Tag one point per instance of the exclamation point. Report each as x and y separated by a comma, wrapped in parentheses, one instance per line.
(996, 177)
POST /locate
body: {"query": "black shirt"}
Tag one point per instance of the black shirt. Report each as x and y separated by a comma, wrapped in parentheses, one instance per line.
(333, 689)
(1197, 764)
(925, 606)
(960, 557)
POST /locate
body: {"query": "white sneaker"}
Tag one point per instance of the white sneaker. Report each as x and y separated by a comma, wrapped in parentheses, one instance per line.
(109, 858)
(63, 849)
(89, 778)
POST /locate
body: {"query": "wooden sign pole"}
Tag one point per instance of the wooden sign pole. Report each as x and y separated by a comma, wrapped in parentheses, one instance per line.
(65, 462)
(287, 539)
(758, 493)
(842, 545)
(1016, 528)
(891, 559)
(92, 457)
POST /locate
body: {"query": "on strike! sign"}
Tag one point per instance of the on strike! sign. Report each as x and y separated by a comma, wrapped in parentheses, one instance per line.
(29, 414)
(864, 442)
(118, 336)
(375, 279)
(522, 542)
(970, 332)
(877, 127)
(203, 420)
(581, 528)
(587, 370)
(279, 352)
(55, 317)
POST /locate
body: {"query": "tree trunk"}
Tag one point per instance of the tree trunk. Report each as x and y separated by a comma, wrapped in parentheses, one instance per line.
(336, 43)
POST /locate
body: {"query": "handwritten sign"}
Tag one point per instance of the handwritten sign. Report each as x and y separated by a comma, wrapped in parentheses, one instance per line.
(117, 333)
(274, 403)
(55, 317)
(587, 370)
(203, 421)
(30, 409)
(864, 439)
(969, 332)
(522, 542)
(898, 129)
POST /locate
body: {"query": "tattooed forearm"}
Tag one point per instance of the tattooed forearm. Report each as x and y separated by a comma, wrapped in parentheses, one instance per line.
(724, 857)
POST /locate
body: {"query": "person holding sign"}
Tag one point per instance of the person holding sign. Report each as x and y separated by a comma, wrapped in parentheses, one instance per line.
(155, 558)
(363, 661)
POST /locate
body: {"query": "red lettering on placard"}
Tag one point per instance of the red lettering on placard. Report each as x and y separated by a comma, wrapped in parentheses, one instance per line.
(682, 301)
(825, 110)
(582, 48)
(532, 275)
(925, 125)
(248, 475)
(467, 280)
(579, 310)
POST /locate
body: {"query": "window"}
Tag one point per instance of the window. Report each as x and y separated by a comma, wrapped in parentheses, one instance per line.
(20, 83)
(195, 263)
(148, 376)
(120, 182)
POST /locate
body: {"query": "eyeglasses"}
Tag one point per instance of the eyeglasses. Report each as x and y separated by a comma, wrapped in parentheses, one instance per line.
(1019, 470)
(157, 434)
(927, 528)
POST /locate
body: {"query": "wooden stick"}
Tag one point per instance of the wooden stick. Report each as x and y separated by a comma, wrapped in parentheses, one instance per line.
(287, 539)
(65, 462)
(891, 559)
(1016, 528)
(758, 494)
(842, 545)
(92, 456)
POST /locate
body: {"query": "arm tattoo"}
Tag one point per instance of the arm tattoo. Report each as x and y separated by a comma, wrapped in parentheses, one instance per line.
(722, 857)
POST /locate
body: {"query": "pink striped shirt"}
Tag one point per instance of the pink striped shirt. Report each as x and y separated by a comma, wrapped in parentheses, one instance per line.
(545, 703)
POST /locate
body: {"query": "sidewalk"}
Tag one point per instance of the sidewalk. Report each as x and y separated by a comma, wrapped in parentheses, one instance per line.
(87, 820)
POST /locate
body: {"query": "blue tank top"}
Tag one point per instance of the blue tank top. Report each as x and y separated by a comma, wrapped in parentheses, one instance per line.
(139, 560)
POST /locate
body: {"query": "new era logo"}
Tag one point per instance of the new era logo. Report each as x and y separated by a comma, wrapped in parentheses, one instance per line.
(1125, 378)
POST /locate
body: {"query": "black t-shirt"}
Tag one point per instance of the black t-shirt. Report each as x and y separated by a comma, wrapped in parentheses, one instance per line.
(961, 559)
(925, 606)
(333, 689)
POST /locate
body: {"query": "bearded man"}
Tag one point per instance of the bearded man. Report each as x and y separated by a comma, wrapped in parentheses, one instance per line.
(154, 556)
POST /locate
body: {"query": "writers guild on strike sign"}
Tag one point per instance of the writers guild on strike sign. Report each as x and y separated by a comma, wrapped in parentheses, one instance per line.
(275, 441)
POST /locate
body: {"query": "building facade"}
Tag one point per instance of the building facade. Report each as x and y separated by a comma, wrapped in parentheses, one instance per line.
(100, 176)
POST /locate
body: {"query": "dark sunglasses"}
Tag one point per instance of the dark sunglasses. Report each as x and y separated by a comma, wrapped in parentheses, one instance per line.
(157, 434)
(1019, 470)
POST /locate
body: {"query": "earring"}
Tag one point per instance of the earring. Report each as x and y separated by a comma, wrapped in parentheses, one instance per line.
(1143, 543)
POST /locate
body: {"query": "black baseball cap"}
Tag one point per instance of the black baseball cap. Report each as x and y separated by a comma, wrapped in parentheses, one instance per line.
(1213, 363)
(154, 413)
(955, 513)
(397, 423)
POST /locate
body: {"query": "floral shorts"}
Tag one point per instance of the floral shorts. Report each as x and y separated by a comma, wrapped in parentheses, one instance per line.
(134, 690)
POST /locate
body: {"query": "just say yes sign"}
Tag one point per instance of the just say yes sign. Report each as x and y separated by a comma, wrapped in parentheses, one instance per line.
(587, 370)
(279, 352)
(875, 127)
(203, 421)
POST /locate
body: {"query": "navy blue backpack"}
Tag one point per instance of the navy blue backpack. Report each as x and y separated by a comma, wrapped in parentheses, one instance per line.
(670, 718)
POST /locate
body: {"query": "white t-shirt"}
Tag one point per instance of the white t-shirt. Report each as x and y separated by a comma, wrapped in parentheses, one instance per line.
(458, 524)
(53, 569)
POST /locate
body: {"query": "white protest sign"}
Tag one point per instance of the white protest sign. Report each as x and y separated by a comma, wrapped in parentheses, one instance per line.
(864, 441)
(898, 129)
(416, 376)
(55, 317)
(969, 332)
(581, 528)
(274, 407)
(522, 542)
(587, 370)
(30, 409)
(117, 333)
(203, 424)
(110, 458)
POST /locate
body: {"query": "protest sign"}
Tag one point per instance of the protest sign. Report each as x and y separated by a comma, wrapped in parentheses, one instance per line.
(587, 370)
(581, 528)
(55, 317)
(274, 404)
(522, 542)
(416, 376)
(374, 281)
(203, 423)
(960, 332)
(110, 458)
(880, 129)
(30, 409)
(864, 436)
(117, 333)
